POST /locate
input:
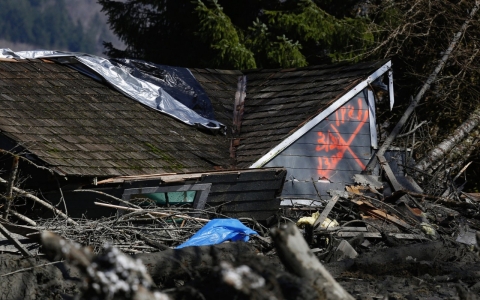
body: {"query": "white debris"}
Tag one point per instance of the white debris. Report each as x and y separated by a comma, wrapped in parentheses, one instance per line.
(242, 277)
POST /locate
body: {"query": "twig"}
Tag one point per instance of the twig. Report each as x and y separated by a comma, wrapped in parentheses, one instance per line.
(40, 201)
(47, 205)
(31, 268)
(119, 200)
(412, 131)
(462, 170)
(109, 196)
(23, 218)
(159, 229)
(426, 86)
(27, 161)
(151, 212)
(62, 198)
(15, 242)
(11, 181)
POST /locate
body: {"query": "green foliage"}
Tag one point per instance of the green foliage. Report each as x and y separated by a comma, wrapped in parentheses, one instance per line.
(44, 24)
(280, 51)
(353, 37)
(307, 21)
(340, 38)
(286, 53)
(216, 29)
(237, 34)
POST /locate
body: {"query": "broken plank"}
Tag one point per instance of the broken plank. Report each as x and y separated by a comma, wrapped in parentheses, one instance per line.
(326, 211)
(371, 210)
(380, 214)
(377, 235)
(346, 229)
(368, 180)
(179, 177)
(347, 234)
(121, 179)
(240, 176)
(389, 173)
(246, 186)
(15, 242)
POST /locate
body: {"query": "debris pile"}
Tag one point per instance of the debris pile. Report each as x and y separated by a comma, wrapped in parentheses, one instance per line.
(377, 238)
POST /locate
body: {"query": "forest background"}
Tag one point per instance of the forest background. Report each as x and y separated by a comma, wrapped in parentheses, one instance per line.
(245, 34)
(72, 25)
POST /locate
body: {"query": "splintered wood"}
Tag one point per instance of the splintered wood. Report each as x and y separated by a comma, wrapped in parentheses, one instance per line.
(371, 210)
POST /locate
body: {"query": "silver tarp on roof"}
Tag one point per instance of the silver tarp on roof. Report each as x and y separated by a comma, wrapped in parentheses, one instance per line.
(145, 89)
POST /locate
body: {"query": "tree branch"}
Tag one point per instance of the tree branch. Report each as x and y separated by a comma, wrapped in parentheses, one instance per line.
(425, 87)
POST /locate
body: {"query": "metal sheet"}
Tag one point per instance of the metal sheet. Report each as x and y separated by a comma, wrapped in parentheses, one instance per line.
(147, 92)
(390, 89)
(373, 119)
(176, 81)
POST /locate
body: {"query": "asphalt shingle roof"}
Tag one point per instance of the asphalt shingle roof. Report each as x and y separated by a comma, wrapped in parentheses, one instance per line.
(79, 126)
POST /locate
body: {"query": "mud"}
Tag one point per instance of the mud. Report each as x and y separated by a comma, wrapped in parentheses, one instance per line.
(54, 281)
(433, 270)
(419, 271)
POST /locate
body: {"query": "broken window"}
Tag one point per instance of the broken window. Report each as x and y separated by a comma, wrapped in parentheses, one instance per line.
(164, 199)
(192, 195)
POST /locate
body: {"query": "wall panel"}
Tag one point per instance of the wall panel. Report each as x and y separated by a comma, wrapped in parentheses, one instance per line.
(329, 154)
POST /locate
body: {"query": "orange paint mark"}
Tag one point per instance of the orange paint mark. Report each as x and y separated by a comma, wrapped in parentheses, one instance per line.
(334, 141)
(351, 110)
(343, 111)
(359, 100)
(357, 160)
(327, 142)
(326, 164)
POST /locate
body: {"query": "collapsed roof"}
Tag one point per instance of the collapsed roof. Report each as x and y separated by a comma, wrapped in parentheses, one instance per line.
(78, 125)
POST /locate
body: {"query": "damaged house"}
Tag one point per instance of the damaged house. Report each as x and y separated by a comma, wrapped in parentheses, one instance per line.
(116, 126)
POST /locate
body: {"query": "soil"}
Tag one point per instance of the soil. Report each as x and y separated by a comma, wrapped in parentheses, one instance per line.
(54, 281)
(432, 270)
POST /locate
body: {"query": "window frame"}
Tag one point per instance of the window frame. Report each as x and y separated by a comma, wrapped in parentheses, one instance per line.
(202, 189)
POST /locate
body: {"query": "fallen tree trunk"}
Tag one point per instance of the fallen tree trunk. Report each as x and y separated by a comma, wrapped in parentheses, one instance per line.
(443, 149)
(297, 257)
(426, 86)
(40, 201)
(109, 275)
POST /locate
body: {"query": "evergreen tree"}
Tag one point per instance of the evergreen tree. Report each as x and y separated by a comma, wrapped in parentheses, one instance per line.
(236, 34)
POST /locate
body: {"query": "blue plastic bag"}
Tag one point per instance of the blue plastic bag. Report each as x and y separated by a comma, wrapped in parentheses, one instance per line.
(217, 231)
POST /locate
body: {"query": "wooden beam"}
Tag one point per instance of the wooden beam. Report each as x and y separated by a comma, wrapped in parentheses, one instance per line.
(373, 211)
(378, 235)
(323, 216)
(14, 241)
(390, 176)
